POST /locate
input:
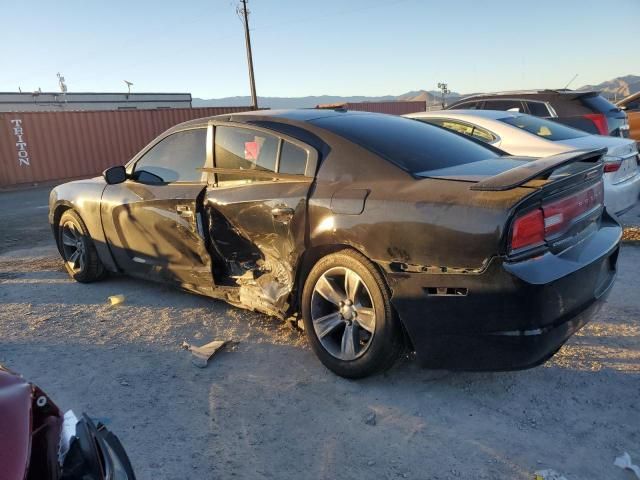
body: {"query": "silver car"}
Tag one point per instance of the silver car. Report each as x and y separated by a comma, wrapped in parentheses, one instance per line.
(520, 134)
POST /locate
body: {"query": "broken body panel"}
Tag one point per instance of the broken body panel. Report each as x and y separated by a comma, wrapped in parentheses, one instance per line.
(252, 245)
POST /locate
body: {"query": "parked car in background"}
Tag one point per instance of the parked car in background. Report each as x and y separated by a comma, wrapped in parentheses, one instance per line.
(379, 231)
(520, 134)
(38, 442)
(588, 111)
(631, 106)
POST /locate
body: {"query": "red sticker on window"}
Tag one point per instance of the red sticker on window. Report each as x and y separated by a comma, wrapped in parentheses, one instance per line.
(251, 150)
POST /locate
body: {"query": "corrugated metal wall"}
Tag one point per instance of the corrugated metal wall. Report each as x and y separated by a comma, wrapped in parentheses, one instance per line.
(393, 108)
(44, 146)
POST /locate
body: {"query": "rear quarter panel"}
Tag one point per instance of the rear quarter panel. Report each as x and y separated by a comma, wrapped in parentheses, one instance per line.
(407, 223)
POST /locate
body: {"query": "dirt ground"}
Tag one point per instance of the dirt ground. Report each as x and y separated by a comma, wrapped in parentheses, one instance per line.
(266, 408)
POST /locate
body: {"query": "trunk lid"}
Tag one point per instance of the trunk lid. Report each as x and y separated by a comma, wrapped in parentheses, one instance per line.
(619, 150)
(564, 206)
(506, 173)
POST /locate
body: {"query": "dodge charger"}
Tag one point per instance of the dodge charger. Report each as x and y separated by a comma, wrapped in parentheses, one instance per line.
(375, 233)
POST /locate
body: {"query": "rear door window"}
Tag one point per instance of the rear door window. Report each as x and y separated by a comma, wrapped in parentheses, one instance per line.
(466, 106)
(293, 159)
(538, 109)
(464, 128)
(505, 105)
(244, 149)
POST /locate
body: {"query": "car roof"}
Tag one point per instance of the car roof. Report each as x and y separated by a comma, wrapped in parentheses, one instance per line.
(290, 116)
(465, 114)
(560, 94)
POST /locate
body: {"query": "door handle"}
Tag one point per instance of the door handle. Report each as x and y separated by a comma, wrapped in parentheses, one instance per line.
(282, 214)
(184, 211)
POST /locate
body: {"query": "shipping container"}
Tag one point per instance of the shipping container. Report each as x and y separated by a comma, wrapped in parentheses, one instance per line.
(38, 147)
(393, 108)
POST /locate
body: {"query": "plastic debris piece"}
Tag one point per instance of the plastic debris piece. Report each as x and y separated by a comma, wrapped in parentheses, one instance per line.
(202, 355)
(549, 475)
(68, 430)
(116, 299)
(624, 462)
(370, 418)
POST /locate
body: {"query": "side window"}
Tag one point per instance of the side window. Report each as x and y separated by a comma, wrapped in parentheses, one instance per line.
(244, 149)
(457, 127)
(466, 106)
(538, 109)
(464, 128)
(175, 159)
(293, 159)
(483, 135)
(505, 105)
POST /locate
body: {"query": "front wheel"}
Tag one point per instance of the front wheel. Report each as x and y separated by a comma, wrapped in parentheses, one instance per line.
(347, 316)
(77, 249)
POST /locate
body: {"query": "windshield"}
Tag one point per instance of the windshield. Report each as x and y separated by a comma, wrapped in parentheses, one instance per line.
(544, 128)
(413, 146)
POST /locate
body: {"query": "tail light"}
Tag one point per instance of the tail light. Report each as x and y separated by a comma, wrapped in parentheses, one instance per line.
(600, 121)
(612, 165)
(554, 218)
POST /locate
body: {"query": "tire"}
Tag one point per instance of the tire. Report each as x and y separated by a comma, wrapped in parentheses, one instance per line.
(339, 325)
(80, 259)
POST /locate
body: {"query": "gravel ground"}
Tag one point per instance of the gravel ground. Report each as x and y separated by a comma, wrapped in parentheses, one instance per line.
(266, 408)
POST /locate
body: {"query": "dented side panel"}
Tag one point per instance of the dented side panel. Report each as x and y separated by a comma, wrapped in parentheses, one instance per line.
(257, 233)
(156, 231)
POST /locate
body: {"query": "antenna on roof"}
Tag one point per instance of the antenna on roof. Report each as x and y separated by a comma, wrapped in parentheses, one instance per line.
(128, 87)
(63, 85)
(570, 81)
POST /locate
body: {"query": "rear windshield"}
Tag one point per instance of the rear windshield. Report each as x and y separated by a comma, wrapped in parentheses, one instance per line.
(413, 146)
(544, 128)
(600, 104)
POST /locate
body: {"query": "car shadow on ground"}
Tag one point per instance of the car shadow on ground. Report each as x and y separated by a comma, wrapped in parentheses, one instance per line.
(261, 407)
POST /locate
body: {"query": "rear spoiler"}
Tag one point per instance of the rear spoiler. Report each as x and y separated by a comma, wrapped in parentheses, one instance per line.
(536, 169)
(573, 94)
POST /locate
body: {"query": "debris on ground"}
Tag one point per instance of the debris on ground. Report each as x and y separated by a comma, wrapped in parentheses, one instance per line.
(116, 299)
(549, 475)
(631, 234)
(370, 418)
(202, 355)
(624, 462)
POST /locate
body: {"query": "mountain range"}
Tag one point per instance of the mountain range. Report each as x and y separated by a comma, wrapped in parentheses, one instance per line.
(616, 88)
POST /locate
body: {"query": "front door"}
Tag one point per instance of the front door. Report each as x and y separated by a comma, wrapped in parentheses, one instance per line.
(258, 211)
(153, 221)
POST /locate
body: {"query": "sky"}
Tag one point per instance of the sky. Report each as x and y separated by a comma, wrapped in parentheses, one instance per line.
(332, 47)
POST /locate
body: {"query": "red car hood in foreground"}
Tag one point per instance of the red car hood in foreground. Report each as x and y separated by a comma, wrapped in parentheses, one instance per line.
(30, 424)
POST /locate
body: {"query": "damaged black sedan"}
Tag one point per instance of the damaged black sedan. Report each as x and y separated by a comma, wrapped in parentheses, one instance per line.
(379, 232)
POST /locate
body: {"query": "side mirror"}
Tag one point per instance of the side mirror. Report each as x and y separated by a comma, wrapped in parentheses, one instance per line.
(115, 175)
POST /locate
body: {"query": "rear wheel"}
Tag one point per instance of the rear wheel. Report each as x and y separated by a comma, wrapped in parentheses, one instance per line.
(348, 317)
(78, 251)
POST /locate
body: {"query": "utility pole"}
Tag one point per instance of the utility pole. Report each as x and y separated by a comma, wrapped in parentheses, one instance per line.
(242, 9)
(444, 89)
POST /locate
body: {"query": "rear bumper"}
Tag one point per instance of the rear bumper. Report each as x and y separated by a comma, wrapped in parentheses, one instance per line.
(512, 315)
